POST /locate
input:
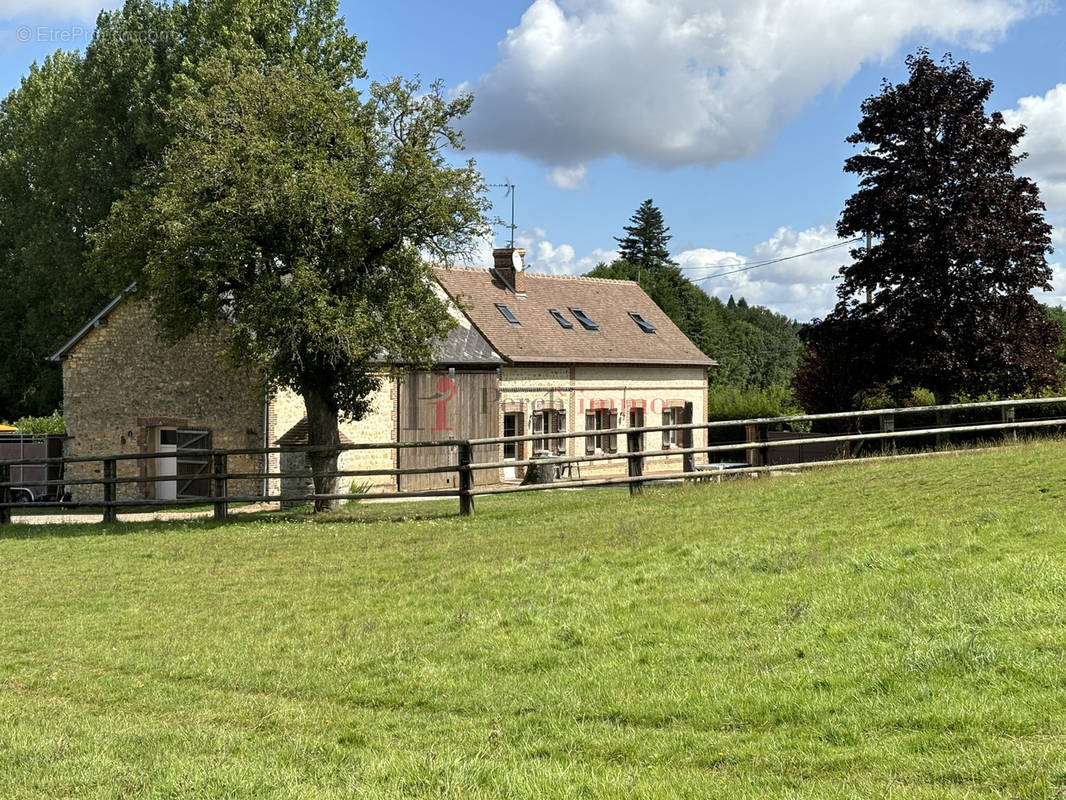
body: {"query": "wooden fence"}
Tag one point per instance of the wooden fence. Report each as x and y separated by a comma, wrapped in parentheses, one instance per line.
(758, 445)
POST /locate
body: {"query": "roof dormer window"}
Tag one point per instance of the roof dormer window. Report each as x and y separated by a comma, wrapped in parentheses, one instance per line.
(586, 323)
(557, 315)
(507, 314)
(645, 326)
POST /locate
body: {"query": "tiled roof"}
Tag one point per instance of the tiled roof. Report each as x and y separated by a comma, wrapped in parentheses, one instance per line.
(464, 346)
(539, 338)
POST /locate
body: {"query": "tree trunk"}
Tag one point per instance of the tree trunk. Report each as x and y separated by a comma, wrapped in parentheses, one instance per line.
(322, 429)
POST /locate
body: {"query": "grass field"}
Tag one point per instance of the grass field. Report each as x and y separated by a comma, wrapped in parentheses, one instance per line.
(893, 630)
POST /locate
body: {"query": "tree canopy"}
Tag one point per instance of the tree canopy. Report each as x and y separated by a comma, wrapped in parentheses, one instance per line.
(80, 130)
(942, 300)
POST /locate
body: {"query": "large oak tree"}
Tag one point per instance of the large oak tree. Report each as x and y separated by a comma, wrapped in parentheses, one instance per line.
(942, 300)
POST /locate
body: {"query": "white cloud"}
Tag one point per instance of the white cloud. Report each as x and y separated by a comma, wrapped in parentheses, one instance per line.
(1045, 120)
(805, 287)
(568, 177)
(543, 256)
(1058, 232)
(1057, 296)
(672, 82)
(1044, 117)
(801, 288)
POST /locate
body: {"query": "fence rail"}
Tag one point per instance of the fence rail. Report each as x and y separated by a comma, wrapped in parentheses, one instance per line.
(757, 446)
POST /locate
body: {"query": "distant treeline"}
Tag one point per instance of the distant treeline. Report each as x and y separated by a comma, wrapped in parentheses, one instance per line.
(755, 348)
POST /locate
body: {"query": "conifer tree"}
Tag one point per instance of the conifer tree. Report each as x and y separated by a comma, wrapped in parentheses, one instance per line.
(646, 239)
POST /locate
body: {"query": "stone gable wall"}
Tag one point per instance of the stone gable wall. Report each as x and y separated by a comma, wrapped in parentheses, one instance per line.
(120, 382)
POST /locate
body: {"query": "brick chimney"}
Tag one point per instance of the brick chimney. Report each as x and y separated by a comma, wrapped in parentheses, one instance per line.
(510, 264)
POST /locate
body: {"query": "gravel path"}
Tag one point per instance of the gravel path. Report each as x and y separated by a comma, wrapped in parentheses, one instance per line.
(147, 516)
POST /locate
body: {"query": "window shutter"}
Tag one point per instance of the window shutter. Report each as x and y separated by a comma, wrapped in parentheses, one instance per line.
(612, 439)
(590, 425)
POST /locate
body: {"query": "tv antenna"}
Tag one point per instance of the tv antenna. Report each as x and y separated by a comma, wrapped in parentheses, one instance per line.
(510, 192)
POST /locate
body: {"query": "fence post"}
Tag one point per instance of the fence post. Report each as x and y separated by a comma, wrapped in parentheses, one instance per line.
(109, 490)
(218, 484)
(888, 425)
(636, 463)
(688, 460)
(943, 417)
(466, 479)
(5, 493)
(755, 434)
(1008, 417)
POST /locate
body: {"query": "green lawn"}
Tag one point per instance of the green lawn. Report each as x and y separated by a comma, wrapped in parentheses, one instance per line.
(893, 630)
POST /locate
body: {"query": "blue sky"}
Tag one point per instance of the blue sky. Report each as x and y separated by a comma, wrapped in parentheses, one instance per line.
(731, 115)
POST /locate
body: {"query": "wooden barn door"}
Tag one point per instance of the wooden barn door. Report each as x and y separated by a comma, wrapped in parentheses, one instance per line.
(436, 407)
(191, 467)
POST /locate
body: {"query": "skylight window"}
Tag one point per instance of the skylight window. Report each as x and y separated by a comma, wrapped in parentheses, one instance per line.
(558, 315)
(586, 323)
(507, 314)
(645, 326)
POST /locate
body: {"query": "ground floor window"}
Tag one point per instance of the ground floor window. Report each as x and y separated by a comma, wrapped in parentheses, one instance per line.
(549, 420)
(636, 420)
(671, 416)
(601, 419)
(512, 426)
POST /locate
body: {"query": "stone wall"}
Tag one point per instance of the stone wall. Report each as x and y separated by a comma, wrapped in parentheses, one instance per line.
(379, 425)
(120, 383)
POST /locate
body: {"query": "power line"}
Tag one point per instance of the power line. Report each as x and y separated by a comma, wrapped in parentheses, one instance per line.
(750, 265)
(744, 266)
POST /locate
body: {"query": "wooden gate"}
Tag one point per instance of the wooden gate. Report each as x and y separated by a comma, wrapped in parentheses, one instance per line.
(192, 466)
(435, 406)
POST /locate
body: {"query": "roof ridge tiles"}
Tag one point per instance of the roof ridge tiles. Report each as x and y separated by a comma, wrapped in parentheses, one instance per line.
(538, 275)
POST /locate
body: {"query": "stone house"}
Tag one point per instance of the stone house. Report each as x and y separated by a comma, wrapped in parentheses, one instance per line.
(531, 354)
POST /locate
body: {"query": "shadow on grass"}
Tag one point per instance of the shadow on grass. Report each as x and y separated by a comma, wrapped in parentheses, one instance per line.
(73, 530)
(364, 513)
(360, 513)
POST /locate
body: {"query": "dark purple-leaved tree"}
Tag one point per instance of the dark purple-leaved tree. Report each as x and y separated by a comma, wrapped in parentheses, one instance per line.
(943, 299)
